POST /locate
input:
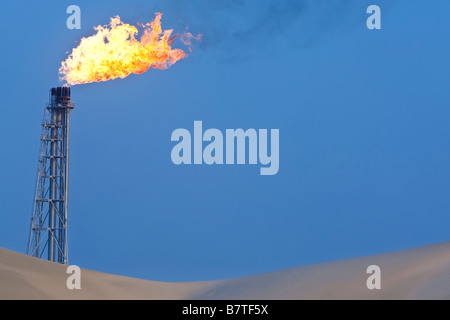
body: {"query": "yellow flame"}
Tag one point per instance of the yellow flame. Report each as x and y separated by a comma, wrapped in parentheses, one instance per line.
(113, 52)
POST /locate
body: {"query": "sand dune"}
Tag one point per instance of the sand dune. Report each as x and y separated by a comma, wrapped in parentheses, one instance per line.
(419, 273)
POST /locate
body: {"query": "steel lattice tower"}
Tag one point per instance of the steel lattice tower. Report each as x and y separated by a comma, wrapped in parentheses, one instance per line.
(48, 234)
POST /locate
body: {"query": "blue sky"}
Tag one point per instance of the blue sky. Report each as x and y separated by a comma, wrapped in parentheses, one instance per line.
(364, 135)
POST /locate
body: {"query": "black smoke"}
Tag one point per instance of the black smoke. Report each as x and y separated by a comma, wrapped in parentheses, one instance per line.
(238, 29)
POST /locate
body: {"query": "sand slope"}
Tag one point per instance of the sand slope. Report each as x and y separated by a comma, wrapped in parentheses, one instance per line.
(419, 273)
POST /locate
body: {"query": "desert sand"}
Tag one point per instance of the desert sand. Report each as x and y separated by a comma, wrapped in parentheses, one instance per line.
(419, 273)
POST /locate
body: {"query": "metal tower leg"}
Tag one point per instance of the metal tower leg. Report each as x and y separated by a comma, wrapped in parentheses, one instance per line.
(48, 234)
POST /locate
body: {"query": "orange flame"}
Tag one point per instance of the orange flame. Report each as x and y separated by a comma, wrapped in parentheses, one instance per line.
(113, 52)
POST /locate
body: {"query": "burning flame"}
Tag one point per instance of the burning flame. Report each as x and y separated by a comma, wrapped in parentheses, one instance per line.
(113, 52)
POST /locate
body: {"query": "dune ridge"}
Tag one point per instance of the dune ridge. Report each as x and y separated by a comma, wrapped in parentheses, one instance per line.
(418, 273)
